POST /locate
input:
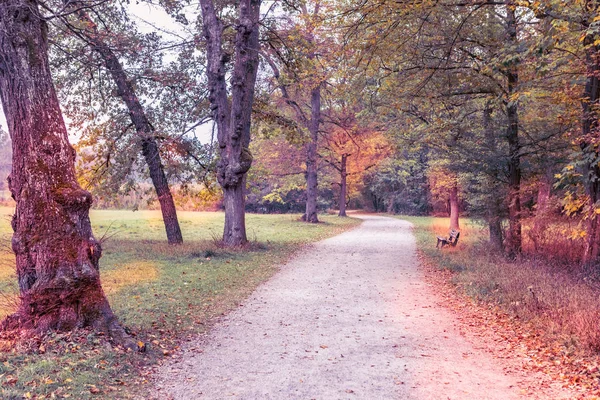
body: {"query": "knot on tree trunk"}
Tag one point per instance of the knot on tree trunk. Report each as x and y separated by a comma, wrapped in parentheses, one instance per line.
(73, 198)
(231, 174)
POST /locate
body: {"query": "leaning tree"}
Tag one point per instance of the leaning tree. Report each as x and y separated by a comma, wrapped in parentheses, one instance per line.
(85, 29)
(57, 256)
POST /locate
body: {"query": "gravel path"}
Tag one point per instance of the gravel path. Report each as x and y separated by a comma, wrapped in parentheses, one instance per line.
(350, 318)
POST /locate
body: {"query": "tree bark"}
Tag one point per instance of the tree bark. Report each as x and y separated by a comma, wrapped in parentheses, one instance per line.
(591, 173)
(143, 127)
(540, 221)
(391, 203)
(495, 228)
(311, 156)
(343, 185)
(495, 203)
(233, 116)
(57, 256)
(514, 146)
(454, 208)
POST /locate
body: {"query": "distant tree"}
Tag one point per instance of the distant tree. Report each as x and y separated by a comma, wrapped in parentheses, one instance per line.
(399, 184)
(300, 50)
(351, 150)
(443, 183)
(57, 257)
(276, 181)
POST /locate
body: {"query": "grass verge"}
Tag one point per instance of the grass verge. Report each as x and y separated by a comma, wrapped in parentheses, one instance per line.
(548, 311)
(160, 292)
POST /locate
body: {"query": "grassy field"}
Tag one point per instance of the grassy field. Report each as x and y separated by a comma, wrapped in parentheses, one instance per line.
(162, 293)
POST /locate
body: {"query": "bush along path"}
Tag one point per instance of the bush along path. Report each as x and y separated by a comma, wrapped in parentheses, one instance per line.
(351, 317)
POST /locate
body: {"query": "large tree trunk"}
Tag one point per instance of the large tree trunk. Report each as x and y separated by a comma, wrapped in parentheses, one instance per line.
(591, 173)
(56, 254)
(343, 185)
(514, 146)
(233, 117)
(235, 222)
(311, 157)
(454, 208)
(142, 125)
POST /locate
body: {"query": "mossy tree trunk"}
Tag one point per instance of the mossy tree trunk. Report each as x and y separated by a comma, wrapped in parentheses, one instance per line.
(57, 256)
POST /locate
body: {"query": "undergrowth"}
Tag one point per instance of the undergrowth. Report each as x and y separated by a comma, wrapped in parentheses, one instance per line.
(560, 298)
(543, 305)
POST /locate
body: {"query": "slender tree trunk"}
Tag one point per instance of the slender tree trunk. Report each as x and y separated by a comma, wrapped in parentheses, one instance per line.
(591, 97)
(495, 228)
(161, 185)
(57, 257)
(454, 208)
(543, 195)
(514, 146)
(233, 117)
(496, 204)
(142, 125)
(311, 156)
(540, 221)
(343, 185)
(391, 203)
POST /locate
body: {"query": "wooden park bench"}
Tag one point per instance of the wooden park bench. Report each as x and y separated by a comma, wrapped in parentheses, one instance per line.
(452, 240)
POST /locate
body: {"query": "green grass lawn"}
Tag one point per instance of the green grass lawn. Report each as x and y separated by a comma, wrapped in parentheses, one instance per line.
(161, 293)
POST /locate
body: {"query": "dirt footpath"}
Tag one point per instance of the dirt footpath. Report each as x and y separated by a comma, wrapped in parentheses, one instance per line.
(351, 318)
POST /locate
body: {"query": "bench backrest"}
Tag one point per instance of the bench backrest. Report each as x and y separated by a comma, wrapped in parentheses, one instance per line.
(455, 241)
